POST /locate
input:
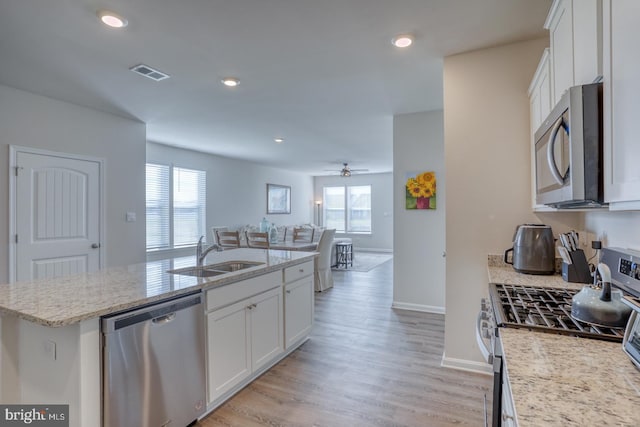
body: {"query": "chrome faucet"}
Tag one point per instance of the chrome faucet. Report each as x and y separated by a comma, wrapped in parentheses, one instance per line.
(201, 252)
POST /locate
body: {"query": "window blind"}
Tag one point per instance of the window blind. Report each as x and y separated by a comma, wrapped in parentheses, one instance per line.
(359, 212)
(157, 195)
(347, 208)
(334, 208)
(189, 206)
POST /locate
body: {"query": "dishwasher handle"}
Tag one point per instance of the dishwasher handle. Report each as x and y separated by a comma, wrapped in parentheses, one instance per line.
(158, 313)
(161, 320)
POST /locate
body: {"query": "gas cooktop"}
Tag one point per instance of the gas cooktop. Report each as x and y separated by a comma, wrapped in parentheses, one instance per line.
(543, 309)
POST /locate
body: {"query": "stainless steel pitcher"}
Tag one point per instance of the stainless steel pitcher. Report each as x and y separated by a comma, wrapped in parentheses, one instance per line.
(533, 250)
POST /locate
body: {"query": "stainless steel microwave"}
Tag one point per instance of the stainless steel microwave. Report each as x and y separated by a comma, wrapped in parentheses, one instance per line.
(568, 150)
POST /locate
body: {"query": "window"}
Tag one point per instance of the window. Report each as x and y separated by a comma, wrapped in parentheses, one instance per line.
(157, 206)
(347, 208)
(176, 206)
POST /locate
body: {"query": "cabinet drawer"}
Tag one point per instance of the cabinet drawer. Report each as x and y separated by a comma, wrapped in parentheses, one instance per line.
(228, 294)
(299, 271)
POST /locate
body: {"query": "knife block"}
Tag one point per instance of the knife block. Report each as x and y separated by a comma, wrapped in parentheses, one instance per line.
(578, 271)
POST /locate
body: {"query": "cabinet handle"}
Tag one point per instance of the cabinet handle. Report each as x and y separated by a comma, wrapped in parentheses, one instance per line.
(288, 292)
(506, 417)
(301, 270)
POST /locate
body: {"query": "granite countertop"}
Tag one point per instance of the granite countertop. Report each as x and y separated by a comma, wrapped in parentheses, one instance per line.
(563, 381)
(499, 272)
(559, 380)
(72, 299)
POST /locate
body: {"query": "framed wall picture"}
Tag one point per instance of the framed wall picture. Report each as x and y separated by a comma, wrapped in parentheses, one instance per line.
(278, 199)
(420, 190)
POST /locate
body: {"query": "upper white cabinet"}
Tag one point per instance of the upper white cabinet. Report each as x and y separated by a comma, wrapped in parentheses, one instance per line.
(575, 34)
(560, 26)
(587, 41)
(540, 92)
(621, 33)
(539, 108)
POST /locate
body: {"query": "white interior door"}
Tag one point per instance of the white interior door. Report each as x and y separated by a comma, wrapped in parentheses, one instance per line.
(57, 215)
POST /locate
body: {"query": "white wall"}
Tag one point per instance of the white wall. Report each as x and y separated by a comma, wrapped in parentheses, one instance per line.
(32, 120)
(618, 229)
(487, 152)
(237, 190)
(419, 235)
(381, 237)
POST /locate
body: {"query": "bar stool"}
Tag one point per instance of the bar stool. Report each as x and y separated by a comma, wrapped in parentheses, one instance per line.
(344, 254)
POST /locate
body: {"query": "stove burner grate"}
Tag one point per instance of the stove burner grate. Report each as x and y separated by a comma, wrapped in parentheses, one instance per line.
(543, 309)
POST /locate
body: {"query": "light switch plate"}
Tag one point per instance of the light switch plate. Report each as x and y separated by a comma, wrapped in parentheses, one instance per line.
(131, 217)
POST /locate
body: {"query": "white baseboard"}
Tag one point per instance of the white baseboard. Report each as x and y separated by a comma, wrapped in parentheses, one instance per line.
(466, 365)
(418, 307)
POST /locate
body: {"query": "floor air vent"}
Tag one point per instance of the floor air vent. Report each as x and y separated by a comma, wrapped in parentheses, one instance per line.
(145, 70)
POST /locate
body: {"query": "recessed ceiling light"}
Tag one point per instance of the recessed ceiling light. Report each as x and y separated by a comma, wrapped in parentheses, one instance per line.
(112, 19)
(230, 81)
(402, 40)
(278, 140)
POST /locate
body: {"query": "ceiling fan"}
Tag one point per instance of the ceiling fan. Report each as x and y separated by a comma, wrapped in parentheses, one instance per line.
(347, 171)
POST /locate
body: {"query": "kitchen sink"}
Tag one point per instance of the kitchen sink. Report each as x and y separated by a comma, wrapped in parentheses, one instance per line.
(230, 266)
(196, 271)
(212, 270)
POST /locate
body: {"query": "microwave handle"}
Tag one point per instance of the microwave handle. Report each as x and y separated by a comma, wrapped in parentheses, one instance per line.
(551, 158)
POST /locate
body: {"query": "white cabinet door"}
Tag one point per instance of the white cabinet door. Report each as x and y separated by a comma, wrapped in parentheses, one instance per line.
(561, 42)
(587, 41)
(229, 348)
(266, 327)
(621, 32)
(540, 93)
(298, 310)
(575, 38)
(539, 108)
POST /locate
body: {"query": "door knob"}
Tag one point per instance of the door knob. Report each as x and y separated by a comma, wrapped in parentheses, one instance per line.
(95, 245)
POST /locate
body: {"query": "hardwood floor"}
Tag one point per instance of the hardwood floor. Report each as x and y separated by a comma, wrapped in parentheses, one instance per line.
(365, 365)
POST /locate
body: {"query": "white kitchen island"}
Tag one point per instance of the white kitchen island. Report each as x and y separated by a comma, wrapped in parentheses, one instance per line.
(50, 335)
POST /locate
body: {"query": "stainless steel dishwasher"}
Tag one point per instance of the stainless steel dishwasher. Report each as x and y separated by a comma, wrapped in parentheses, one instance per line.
(153, 365)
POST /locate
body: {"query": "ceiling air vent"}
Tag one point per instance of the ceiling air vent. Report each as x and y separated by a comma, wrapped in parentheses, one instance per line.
(145, 70)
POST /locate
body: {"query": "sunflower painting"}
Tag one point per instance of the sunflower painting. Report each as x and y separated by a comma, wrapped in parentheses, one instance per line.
(421, 190)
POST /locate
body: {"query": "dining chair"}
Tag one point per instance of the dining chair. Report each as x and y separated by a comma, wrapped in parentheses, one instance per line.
(228, 239)
(257, 240)
(323, 274)
(214, 232)
(303, 234)
(282, 233)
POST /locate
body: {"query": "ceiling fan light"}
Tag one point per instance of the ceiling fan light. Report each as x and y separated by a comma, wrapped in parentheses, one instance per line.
(402, 40)
(112, 19)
